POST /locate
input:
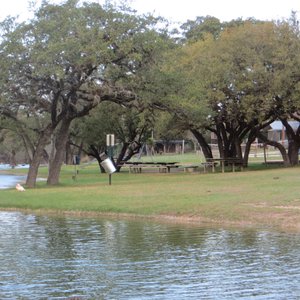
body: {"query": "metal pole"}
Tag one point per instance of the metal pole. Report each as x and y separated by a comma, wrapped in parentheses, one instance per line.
(110, 142)
(265, 154)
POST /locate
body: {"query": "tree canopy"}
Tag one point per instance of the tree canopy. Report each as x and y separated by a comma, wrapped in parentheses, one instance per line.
(235, 84)
(231, 79)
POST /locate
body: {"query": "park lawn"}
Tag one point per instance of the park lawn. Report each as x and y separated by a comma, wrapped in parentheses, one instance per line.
(259, 197)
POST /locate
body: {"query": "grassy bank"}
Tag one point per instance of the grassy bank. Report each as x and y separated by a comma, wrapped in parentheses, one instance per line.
(258, 197)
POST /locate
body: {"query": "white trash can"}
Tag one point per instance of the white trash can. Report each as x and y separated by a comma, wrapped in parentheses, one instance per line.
(108, 166)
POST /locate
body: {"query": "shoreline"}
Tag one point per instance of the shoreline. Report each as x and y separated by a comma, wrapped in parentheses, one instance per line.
(184, 220)
(260, 199)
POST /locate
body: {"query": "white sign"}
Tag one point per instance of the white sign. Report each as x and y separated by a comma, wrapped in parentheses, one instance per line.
(110, 140)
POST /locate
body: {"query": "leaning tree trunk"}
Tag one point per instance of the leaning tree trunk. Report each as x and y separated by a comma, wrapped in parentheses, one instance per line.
(28, 145)
(249, 142)
(96, 154)
(37, 156)
(60, 150)
(285, 157)
(206, 149)
(126, 153)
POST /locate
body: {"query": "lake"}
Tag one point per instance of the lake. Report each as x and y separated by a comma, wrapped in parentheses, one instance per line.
(9, 181)
(48, 257)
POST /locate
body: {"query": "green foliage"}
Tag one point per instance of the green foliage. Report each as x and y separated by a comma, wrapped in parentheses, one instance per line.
(109, 118)
(128, 126)
(234, 83)
(71, 54)
(239, 74)
(195, 30)
(167, 127)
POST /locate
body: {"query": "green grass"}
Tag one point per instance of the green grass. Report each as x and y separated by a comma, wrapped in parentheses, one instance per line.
(260, 196)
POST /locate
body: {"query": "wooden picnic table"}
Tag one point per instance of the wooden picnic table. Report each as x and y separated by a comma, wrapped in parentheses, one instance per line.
(149, 162)
(137, 167)
(232, 161)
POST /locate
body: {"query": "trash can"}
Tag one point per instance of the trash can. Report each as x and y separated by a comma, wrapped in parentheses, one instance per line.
(76, 160)
(108, 166)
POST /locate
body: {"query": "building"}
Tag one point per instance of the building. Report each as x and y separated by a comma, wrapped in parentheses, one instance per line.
(277, 131)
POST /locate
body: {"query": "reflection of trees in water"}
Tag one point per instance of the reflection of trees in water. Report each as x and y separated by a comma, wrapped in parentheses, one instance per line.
(64, 263)
(138, 240)
(58, 236)
(112, 242)
(76, 256)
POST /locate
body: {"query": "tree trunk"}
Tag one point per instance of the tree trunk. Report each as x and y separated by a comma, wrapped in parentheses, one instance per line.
(28, 145)
(238, 148)
(249, 142)
(69, 154)
(285, 157)
(223, 142)
(96, 154)
(121, 156)
(206, 149)
(13, 161)
(293, 153)
(294, 142)
(37, 156)
(127, 151)
(60, 150)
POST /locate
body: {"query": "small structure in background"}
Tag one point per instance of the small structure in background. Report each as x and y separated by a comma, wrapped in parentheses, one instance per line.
(277, 132)
(20, 188)
(172, 146)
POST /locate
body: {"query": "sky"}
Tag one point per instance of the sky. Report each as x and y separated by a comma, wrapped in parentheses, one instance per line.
(182, 10)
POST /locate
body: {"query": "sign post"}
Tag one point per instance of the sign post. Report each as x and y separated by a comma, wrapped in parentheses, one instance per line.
(110, 142)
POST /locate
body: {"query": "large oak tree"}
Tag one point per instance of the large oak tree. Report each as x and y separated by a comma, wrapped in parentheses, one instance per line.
(235, 84)
(65, 61)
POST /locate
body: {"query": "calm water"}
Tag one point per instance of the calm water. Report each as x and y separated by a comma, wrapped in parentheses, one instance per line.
(59, 258)
(9, 181)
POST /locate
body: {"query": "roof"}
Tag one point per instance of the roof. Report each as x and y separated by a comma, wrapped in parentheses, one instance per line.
(277, 125)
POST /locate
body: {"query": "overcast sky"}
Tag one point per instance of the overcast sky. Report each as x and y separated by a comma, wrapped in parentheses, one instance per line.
(182, 10)
(225, 10)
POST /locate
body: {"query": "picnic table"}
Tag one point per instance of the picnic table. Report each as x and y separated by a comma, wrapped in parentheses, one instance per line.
(232, 161)
(136, 167)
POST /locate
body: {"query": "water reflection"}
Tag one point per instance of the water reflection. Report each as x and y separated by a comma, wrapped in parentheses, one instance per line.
(56, 258)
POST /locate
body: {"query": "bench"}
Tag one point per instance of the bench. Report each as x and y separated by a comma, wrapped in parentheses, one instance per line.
(236, 163)
(233, 162)
(169, 167)
(190, 168)
(209, 165)
(138, 168)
